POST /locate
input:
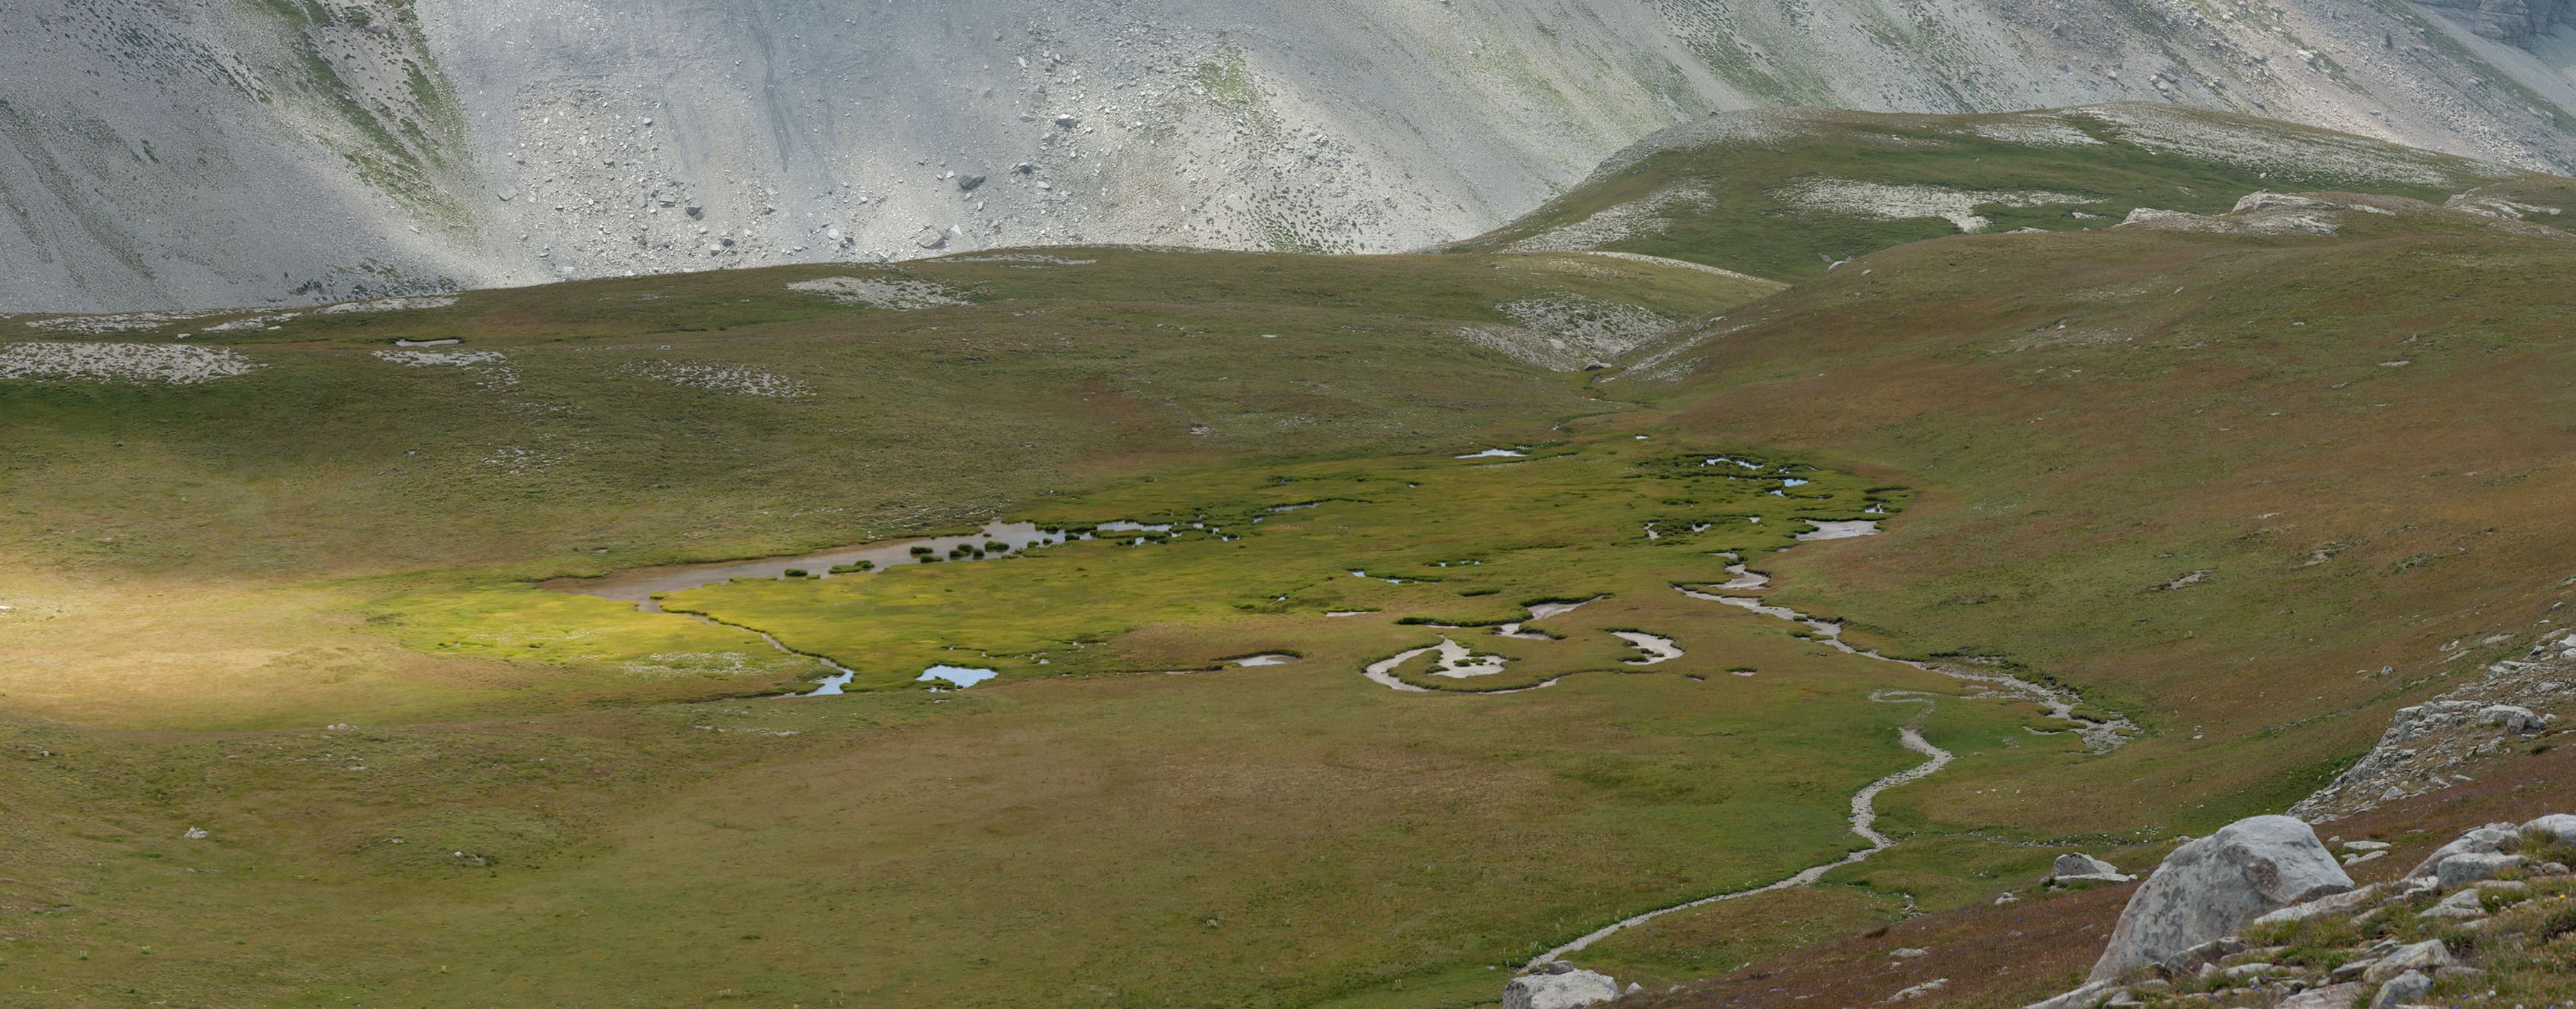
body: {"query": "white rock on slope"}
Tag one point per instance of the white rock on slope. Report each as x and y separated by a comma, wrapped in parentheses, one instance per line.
(2211, 887)
(1568, 989)
(2080, 864)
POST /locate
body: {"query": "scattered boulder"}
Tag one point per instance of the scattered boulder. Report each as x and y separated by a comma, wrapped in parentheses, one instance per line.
(2333, 904)
(1559, 986)
(2557, 825)
(2401, 990)
(2280, 201)
(2486, 840)
(2080, 864)
(930, 238)
(2463, 905)
(2429, 955)
(2462, 870)
(2512, 718)
(968, 183)
(2211, 887)
(1920, 990)
(2174, 219)
(2083, 997)
(2333, 996)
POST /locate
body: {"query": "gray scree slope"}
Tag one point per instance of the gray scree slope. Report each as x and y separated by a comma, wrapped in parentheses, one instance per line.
(188, 153)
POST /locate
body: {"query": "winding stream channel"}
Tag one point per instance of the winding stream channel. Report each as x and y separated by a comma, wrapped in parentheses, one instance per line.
(1864, 817)
(2099, 736)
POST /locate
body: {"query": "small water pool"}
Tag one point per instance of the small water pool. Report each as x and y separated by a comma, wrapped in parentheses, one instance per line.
(959, 676)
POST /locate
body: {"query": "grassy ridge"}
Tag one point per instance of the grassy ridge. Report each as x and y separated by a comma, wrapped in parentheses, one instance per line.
(1735, 200)
(2352, 441)
(583, 446)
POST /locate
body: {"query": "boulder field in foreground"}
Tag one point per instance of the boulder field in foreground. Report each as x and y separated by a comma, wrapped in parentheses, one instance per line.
(2261, 905)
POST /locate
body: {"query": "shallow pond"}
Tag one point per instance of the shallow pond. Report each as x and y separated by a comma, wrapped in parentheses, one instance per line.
(1839, 530)
(1656, 647)
(958, 676)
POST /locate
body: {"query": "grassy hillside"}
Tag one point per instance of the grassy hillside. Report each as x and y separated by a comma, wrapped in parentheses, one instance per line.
(1783, 194)
(333, 529)
(314, 585)
(2257, 490)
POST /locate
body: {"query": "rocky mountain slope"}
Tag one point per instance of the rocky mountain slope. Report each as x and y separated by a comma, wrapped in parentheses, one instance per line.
(170, 153)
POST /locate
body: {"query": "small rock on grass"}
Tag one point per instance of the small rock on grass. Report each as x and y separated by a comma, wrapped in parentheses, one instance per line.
(2333, 996)
(2080, 864)
(2414, 958)
(2402, 990)
(2462, 870)
(2461, 905)
(1567, 988)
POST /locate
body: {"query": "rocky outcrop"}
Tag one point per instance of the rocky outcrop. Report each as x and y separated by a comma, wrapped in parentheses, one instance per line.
(1559, 986)
(2515, 22)
(2314, 956)
(2426, 746)
(2213, 886)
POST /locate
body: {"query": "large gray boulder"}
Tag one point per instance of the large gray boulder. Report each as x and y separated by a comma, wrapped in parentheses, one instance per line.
(2213, 886)
(1567, 990)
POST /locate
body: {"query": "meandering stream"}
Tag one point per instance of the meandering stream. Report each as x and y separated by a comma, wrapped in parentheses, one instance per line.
(1864, 817)
(2100, 736)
